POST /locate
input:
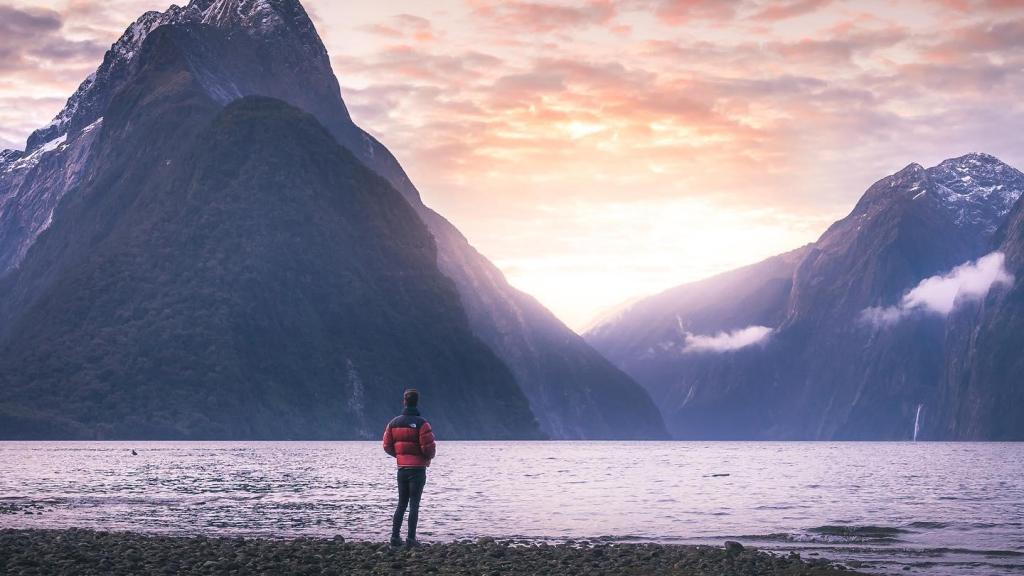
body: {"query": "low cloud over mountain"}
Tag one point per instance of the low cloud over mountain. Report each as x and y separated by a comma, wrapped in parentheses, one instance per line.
(727, 341)
(941, 294)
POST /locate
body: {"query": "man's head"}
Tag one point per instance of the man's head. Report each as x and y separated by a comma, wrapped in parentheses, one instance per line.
(411, 397)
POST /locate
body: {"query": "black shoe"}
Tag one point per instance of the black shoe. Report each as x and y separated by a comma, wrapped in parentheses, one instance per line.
(396, 541)
(412, 543)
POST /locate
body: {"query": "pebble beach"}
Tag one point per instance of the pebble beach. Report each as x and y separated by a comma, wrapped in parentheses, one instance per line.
(86, 552)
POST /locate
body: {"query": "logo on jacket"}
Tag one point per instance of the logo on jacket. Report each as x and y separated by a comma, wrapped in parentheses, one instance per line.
(413, 425)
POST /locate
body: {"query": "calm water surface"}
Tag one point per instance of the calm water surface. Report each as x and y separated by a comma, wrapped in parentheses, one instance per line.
(939, 509)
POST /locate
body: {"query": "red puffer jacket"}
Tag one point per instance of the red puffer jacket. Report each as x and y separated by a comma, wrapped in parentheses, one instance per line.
(410, 439)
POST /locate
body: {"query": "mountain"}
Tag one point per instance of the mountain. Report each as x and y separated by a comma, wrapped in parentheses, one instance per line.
(834, 341)
(225, 50)
(239, 276)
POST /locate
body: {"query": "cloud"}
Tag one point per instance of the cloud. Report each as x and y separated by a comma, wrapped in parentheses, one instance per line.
(679, 12)
(30, 37)
(978, 5)
(404, 26)
(33, 38)
(545, 17)
(841, 46)
(685, 12)
(999, 39)
(26, 23)
(944, 293)
(727, 341)
(775, 11)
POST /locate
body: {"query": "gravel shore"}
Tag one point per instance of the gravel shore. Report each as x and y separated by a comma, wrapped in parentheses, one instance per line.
(53, 552)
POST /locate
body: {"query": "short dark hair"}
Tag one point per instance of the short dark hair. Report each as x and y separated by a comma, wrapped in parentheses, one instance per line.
(411, 397)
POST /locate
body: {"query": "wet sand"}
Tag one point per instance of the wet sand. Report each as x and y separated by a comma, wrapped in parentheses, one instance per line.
(46, 552)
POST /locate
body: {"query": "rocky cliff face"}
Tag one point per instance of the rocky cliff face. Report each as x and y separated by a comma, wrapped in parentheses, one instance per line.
(32, 184)
(234, 48)
(840, 343)
(981, 395)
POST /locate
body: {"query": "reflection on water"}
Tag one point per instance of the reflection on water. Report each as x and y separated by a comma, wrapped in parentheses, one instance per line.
(937, 508)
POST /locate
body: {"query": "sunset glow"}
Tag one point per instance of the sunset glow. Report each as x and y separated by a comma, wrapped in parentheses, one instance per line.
(600, 151)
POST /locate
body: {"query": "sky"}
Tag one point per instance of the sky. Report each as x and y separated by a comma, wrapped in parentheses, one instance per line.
(603, 150)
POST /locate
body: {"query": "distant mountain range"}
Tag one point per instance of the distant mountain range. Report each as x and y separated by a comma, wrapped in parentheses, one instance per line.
(904, 320)
(202, 244)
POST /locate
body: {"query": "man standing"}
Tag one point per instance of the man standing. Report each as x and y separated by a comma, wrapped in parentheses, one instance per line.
(409, 439)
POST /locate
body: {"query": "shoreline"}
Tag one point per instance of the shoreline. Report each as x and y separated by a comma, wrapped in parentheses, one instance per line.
(79, 551)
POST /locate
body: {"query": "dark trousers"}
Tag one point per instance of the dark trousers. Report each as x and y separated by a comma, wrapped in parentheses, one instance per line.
(410, 488)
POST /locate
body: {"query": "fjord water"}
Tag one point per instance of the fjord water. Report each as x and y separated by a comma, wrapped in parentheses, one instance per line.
(937, 508)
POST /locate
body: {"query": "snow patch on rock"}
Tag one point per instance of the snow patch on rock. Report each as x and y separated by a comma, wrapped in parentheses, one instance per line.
(33, 159)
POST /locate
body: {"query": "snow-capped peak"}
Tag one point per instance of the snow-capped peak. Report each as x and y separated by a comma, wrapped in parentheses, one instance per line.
(256, 17)
(978, 188)
(977, 191)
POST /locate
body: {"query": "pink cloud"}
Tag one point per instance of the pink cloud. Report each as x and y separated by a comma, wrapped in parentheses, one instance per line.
(677, 12)
(525, 16)
(775, 11)
(960, 42)
(992, 5)
(404, 27)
